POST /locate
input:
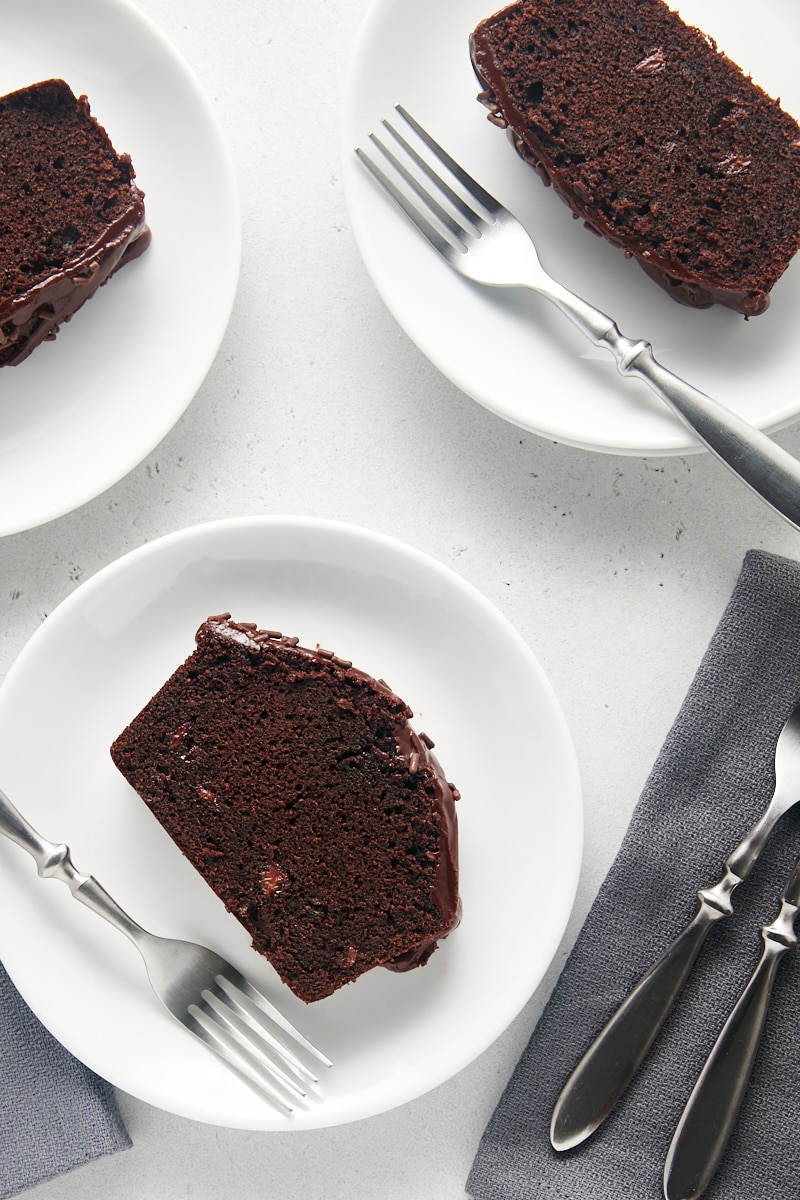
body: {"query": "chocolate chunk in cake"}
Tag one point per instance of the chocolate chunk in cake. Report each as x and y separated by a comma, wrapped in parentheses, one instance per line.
(653, 137)
(70, 213)
(295, 785)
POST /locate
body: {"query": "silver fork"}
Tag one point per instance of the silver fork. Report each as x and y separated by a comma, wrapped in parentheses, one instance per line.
(708, 1120)
(614, 1057)
(207, 995)
(481, 240)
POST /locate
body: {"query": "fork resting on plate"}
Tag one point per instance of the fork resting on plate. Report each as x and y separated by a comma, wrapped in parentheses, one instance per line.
(481, 240)
(206, 994)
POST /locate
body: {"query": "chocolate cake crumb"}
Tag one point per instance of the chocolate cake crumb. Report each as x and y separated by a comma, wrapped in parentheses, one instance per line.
(653, 137)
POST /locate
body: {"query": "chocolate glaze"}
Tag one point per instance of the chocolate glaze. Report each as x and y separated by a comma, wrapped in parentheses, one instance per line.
(34, 317)
(415, 750)
(34, 313)
(445, 892)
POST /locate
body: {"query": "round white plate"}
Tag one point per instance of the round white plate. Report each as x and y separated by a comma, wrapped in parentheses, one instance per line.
(83, 410)
(473, 684)
(511, 350)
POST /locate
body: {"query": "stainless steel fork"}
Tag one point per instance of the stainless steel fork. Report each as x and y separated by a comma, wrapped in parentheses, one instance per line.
(481, 240)
(200, 989)
(614, 1057)
(708, 1120)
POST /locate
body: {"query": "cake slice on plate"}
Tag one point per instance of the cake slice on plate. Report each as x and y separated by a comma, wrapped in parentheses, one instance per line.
(294, 784)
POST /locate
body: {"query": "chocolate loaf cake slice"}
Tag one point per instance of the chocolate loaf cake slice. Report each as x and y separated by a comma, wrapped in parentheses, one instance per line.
(653, 137)
(70, 213)
(294, 784)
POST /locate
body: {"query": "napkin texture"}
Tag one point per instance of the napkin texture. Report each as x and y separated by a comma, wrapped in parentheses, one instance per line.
(713, 777)
(55, 1114)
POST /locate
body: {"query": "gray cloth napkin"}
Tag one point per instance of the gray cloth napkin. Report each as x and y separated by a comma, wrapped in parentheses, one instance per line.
(711, 780)
(55, 1114)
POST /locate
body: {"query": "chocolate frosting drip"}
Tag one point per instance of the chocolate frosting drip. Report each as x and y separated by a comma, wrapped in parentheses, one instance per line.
(418, 754)
(106, 230)
(35, 316)
(414, 749)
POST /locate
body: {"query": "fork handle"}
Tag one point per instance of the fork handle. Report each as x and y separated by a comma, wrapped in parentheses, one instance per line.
(709, 1117)
(614, 1057)
(53, 861)
(769, 470)
(612, 1060)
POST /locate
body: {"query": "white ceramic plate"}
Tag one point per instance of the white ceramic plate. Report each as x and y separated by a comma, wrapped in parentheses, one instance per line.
(83, 410)
(473, 684)
(511, 350)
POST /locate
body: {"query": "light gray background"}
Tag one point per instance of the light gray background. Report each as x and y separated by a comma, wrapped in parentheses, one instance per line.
(615, 570)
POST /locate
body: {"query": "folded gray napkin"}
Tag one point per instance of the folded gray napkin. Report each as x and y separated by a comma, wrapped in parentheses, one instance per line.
(711, 780)
(55, 1114)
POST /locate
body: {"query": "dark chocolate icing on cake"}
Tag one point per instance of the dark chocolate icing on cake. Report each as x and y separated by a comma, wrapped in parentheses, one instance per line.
(653, 137)
(70, 213)
(295, 785)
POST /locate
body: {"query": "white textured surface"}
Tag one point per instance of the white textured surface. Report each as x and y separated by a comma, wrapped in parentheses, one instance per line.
(614, 570)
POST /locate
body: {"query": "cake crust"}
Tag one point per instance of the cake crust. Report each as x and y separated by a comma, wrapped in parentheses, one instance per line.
(295, 785)
(71, 213)
(653, 137)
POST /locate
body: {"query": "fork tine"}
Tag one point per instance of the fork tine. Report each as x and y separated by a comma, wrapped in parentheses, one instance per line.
(472, 186)
(202, 1021)
(469, 214)
(253, 1040)
(255, 1027)
(411, 210)
(233, 980)
(472, 222)
(244, 1043)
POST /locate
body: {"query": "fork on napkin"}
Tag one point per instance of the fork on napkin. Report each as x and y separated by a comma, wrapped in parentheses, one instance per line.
(712, 778)
(55, 1114)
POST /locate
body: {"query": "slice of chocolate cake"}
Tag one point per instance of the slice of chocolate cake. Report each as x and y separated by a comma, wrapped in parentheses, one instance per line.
(294, 784)
(653, 137)
(70, 213)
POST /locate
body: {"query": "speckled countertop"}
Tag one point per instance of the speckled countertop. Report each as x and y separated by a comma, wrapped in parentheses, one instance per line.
(615, 570)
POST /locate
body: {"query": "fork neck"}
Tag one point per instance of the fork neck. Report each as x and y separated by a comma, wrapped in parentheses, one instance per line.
(743, 858)
(94, 896)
